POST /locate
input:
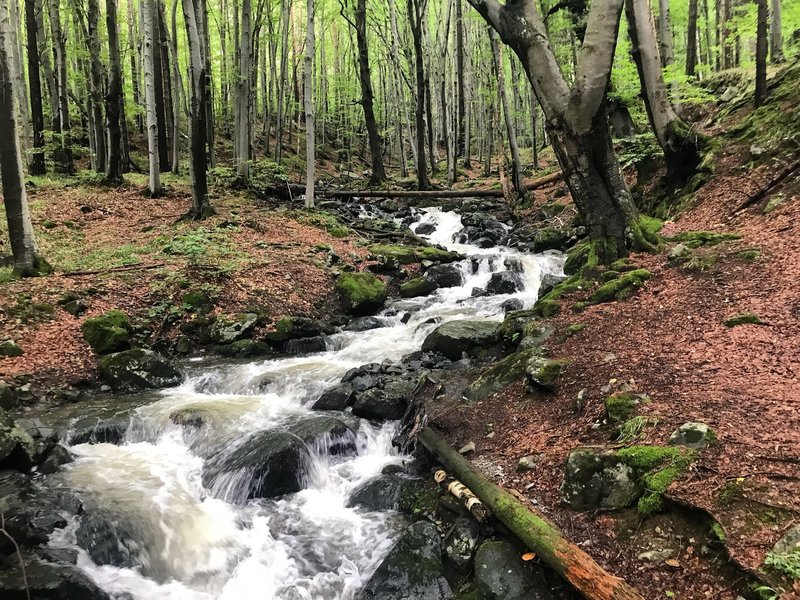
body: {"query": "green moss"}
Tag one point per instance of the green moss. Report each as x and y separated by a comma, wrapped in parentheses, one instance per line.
(647, 458)
(621, 407)
(620, 288)
(699, 263)
(361, 293)
(543, 372)
(10, 348)
(579, 307)
(660, 465)
(623, 264)
(418, 286)
(731, 492)
(695, 239)
(749, 254)
(547, 308)
(745, 318)
(325, 221)
(107, 333)
(718, 532)
(406, 255)
(500, 374)
(574, 328)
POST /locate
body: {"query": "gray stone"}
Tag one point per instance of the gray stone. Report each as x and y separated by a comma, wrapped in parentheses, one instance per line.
(338, 397)
(789, 543)
(543, 373)
(445, 275)
(693, 435)
(307, 345)
(17, 448)
(292, 328)
(678, 251)
(598, 480)
(528, 463)
(380, 493)
(501, 574)
(461, 542)
(138, 369)
(326, 435)
(377, 405)
(8, 395)
(455, 338)
(229, 329)
(419, 286)
(45, 580)
(504, 282)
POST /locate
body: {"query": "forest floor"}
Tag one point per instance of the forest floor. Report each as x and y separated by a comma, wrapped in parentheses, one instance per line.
(669, 341)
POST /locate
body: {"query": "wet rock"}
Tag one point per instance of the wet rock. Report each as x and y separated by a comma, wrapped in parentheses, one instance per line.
(500, 574)
(111, 541)
(190, 417)
(413, 569)
(543, 373)
(461, 542)
(425, 229)
(338, 397)
(229, 329)
(44, 437)
(17, 448)
(361, 294)
(110, 332)
(326, 434)
(365, 324)
(265, 465)
(243, 349)
(10, 348)
(528, 463)
(455, 338)
(307, 345)
(419, 286)
(8, 395)
(50, 581)
(511, 305)
(137, 369)
(90, 430)
(504, 282)
(595, 479)
(378, 405)
(693, 435)
(381, 493)
(478, 292)
(445, 275)
(500, 374)
(292, 328)
(55, 458)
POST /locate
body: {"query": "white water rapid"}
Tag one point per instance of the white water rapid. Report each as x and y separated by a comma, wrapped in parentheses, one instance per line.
(187, 544)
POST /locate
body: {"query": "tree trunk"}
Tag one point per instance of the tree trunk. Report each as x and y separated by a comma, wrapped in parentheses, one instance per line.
(134, 50)
(285, 8)
(150, 80)
(27, 261)
(202, 19)
(776, 34)
(534, 127)
(761, 52)
(44, 53)
(63, 152)
(680, 143)
(242, 124)
(415, 19)
(461, 110)
(516, 162)
(308, 99)
(18, 73)
(691, 40)
(665, 34)
(96, 87)
(114, 97)
(193, 13)
(37, 166)
(162, 88)
(177, 93)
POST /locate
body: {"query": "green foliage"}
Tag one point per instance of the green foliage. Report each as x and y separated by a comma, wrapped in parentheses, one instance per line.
(621, 407)
(322, 220)
(787, 564)
(745, 318)
(638, 148)
(695, 239)
(191, 244)
(107, 333)
(621, 288)
(632, 429)
(718, 532)
(731, 492)
(660, 465)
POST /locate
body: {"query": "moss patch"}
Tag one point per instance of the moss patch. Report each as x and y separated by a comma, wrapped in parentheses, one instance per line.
(660, 465)
(621, 407)
(621, 288)
(361, 293)
(745, 318)
(110, 332)
(406, 255)
(695, 239)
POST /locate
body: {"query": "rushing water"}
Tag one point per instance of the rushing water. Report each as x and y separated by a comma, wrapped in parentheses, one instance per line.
(185, 542)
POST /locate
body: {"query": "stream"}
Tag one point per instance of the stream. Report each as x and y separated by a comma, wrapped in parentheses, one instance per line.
(187, 540)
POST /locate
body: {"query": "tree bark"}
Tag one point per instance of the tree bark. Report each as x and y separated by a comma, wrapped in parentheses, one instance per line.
(415, 19)
(162, 88)
(665, 34)
(44, 53)
(37, 166)
(27, 261)
(150, 81)
(96, 87)
(461, 106)
(63, 153)
(193, 13)
(134, 50)
(691, 40)
(308, 100)
(285, 13)
(177, 92)
(776, 34)
(680, 143)
(114, 98)
(761, 52)
(242, 123)
(538, 533)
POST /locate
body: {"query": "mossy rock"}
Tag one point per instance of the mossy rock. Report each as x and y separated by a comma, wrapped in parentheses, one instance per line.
(406, 255)
(621, 288)
(361, 293)
(659, 467)
(10, 348)
(17, 448)
(543, 373)
(198, 301)
(137, 369)
(547, 308)
(621, 407)
(695, 239)
(500, 374)
(454, 338)
(745, 318)
(244, 349)
(108, 333)
(693, 435)
(419, 286)
(227, 329)
(295, 327)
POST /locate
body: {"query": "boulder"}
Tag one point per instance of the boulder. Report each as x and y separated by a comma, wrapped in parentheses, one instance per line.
(198, 301)
(231, 328)
(502, 373)
(380, 493)
(57, 456)
(461, 542)
(425, 229)
(543, 373)
(307, 345)
(501, 574)
(361, 294)
(44, 437)
(379, 405)
(419, 286)
(454, 338)
(596, 479)
(413, 568)
(110, 540)
(8, 395)
(17, 448)
(10, 348)
(445, 275)
(511, 305)
(338, 397)
(326, 435)
(693, 435)
(292, 328)
(243, 349)
(47, 580)
(504, 282)
(265, 465)
(90, 430)
(365, 324)
(107, 333)
(137, 369)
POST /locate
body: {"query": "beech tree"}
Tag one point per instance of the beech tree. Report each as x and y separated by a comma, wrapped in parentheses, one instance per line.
(150, 77)
(114, 98)
(308, 99)
(37, 164)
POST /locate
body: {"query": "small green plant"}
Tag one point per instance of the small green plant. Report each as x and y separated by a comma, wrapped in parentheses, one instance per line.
(718, 532)
(638, 148)
(731, 492)
(632, 429)
(787, 564)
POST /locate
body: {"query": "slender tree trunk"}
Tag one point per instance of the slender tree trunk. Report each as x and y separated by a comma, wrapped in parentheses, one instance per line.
(285, 14)
(193, 14)
(242, 124)
(680, 143)
(709, 50)
(534, 127)
(134, 51)
(202, 18)
(63, 152)
(37, 166)
(308, 98)
(461, 111)
(162, 88)
(761, 52)
(177, 88)
(27, 261)
(44, 53)
(150, 80)
(96, 87)
(18, 73)
(691, 40)
(776, 34)
(114, 98)
(415, 19)
(665, 34)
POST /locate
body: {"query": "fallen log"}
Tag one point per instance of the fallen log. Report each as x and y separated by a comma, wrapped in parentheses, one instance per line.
(471, 502)
(539, 534)
(542, 181)
(412, 193)
(114, 269)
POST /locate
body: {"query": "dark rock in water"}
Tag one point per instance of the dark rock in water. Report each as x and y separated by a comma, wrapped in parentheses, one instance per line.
(292, 328)
(338, 397)
(511, 305)
(413, 569)
(51, 581)
(93, 431)
(548, 282)
(377, 405)
(485, 242)
(229, 329)
(478, 292)
(137, 369)
(504, 282)
(326, 434)
(514, 264)
(265, 465)
(305, 345)
(456, 337)
(461, 542)
(419, 286)
(445, 275)
(188, 417)
(57, 456)
(44, 437)
(244, 349)
(425, 229)
(364, 324)
(378, 494)
(109, 541)
(500, 574)
(17, 449)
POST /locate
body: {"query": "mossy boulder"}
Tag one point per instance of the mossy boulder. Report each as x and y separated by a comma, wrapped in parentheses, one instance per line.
(227, 329)
(419, 286)
(620, 288)
(137, 369)
(693, 435)
(17, 448)
(621, 406)
(543, 373)
(657, 467)
(361, 294)
(455, 338)
(108, 333)
(695, 239)
(745, 318)
(295, 327)
(10, 348)
(198, 301)
(502, 373)
(406, 255)
(244, 349)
